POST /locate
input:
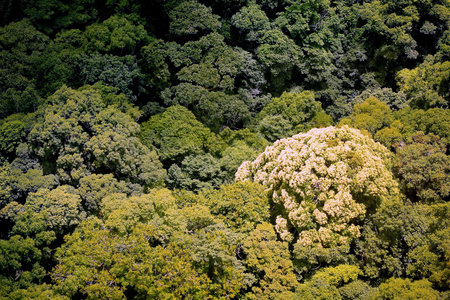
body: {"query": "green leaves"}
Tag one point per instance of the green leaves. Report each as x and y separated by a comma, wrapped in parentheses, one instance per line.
(398, 288)
(120, 72)
(115, 35)
(20, 48)
(81, 122)
(426, 85)
(269, 260)
(191, 19)
(291, 113)
(176, 133)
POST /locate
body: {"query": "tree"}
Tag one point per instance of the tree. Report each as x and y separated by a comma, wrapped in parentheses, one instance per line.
(214, 78)
(196, 172)
(21, 45)
(301, 110)
(57, 65)
(320, 184)
(116, 35)
(241, 206)
(395, 100)
(281, 57)
(120, 72)
(19, 265)
(85, 131)
(424, 168)
(60, 210)
(17, 183)
(269, 261)
(146, 247)
(192, 19)
(426, 85)
(93, 188)
(250, 22)
(398, 288)
(331, 283)
(369, 116)
(176, 133)
(62, 14)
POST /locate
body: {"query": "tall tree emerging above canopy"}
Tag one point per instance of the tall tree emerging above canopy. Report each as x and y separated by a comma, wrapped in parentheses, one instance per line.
(322, 182)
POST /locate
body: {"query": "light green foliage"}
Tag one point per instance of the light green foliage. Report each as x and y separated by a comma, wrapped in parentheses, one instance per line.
(337, 275)
(122, 214)
(94, 255)
(369, 116)
(126, 157)
(60, 210)
(102, 260)
(325, 283)
(22, 183)
(435, 121)
(357, 289)
(426, 85)
(395, 100)
(85, 131)
(241, 206)
(95, 187)
(243, 145)
(42, 291)
(404, 240)
(269, 261)
(176, 133)
(191, 19)
(213, 252)
(300, 109)
(20, 48)
(115, 35)
(321, 183)
(99, 264)
(12, 132)
(233, 156)
(398, 288)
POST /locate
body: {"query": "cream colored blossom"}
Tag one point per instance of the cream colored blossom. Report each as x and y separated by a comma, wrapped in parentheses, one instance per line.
(282, 229)
(321, 217)
(316, 179)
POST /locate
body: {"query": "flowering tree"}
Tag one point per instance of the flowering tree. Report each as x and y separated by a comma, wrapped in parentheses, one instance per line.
(321, 183)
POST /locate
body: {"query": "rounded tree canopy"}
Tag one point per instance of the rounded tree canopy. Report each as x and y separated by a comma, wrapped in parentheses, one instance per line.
(322, 182)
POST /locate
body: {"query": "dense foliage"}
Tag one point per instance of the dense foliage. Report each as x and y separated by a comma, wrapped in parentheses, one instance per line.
(194, 149)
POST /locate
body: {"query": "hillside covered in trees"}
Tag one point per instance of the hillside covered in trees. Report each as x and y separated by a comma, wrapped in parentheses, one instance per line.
(224, 149)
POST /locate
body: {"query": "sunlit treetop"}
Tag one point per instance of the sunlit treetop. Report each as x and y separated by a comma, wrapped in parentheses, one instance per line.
(321, 182)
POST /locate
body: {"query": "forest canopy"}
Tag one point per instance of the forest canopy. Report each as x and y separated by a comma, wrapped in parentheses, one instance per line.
(194, 149)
